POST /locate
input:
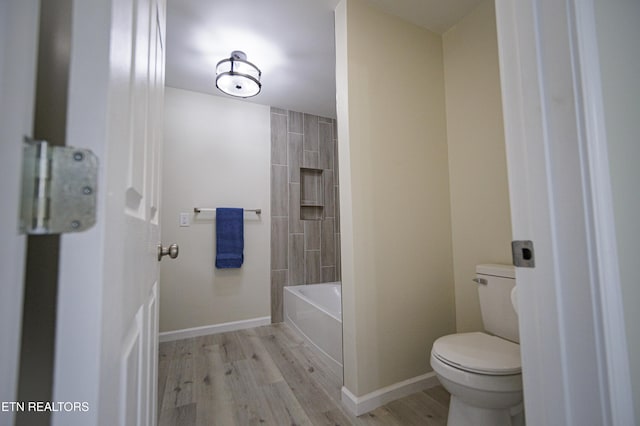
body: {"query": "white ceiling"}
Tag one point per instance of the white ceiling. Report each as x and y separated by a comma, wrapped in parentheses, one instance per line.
(291, 41)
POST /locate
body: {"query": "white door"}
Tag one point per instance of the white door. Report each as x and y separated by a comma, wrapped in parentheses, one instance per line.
(18, 51)
(574, 358)
(107, 325)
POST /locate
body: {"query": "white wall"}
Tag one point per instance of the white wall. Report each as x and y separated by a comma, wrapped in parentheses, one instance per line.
(618, 36)
(216, 154)
(480, 212)
(394, 196)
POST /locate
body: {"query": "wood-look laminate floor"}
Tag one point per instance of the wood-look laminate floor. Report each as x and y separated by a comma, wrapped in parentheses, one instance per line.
(268, 376)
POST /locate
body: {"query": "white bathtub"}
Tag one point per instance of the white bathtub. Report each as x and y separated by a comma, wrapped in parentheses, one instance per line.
(315, 312)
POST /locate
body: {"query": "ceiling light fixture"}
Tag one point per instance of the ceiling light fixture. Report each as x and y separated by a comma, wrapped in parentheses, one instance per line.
(238, 77)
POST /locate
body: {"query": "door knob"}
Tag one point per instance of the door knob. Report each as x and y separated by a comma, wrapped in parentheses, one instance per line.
(172, 251)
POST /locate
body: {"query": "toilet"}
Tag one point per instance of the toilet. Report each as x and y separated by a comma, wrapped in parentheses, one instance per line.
(482, 371)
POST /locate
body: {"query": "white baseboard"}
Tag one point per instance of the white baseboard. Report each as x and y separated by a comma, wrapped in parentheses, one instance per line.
(186, 333)
(358, 405)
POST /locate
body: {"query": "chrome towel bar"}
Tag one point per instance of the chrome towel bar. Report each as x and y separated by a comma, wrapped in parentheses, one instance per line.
(201, 210)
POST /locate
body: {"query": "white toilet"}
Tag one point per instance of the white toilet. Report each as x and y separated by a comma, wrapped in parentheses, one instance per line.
(482, 371)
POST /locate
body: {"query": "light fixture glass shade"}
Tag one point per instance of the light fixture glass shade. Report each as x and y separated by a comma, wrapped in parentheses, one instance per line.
(236, 76)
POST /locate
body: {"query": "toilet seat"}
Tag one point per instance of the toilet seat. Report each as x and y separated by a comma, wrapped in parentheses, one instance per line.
(479, 353)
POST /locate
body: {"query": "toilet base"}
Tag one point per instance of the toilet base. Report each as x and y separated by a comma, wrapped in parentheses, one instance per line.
(463, 414)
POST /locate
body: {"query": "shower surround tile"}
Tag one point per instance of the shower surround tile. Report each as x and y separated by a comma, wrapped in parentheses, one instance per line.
(325, 141)
(279, 198)
(310, 159)
(295, 156)
(303, 251)
(311, 235)
(329, 194)
(328, 274)
(295, 122)
(327, 246)
(310, 132)
(279, 243)
(296, 226)
(279, 139)
(279, 279)
(296, 259)
(312, 266)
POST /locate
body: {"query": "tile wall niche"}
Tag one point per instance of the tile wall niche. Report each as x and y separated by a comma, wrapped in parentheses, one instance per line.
(305, 220)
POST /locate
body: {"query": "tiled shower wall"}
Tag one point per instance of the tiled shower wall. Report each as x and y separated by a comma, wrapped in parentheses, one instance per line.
(302, 251)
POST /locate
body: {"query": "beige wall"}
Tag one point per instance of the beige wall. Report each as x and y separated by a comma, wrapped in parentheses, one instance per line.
(480, 213)
(216, 154)
(618, 36)
(397, 262)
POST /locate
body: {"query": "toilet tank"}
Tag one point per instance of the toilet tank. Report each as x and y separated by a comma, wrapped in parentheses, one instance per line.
(495, 283)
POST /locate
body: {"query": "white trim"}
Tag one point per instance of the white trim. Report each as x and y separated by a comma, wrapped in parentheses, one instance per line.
(358, 405)
(186, 333)
(19, 25)
(595, 139)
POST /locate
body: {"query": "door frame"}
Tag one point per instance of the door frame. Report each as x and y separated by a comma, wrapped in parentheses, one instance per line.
(575, 359)
(18, 53)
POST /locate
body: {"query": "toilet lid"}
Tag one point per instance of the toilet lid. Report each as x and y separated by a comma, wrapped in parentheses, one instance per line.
(479, 353)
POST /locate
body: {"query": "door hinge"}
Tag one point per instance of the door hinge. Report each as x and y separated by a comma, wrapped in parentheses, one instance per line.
(59, 186)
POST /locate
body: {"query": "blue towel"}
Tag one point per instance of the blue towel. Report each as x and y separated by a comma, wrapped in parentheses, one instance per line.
(229, 238)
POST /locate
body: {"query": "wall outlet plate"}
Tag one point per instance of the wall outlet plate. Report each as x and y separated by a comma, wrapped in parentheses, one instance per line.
(185, 219)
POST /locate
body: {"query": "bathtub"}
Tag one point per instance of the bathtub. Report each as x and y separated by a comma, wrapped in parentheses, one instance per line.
(315, 312)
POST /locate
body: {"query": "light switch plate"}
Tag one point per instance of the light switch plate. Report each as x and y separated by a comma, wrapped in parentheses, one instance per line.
(184, 219)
